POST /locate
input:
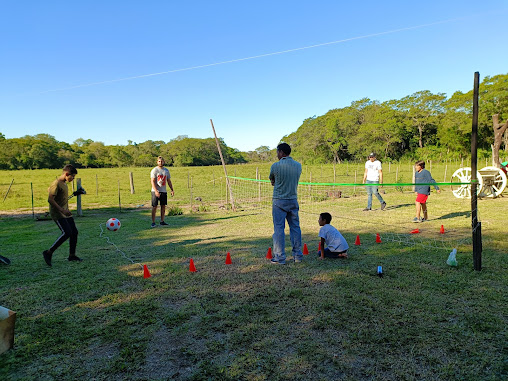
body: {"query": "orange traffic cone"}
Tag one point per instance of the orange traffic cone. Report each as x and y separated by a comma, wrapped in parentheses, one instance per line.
(305, 249)
(441, 230)
(357, 242)
(146, 273)
(269, 253)
(378, 238)
(228, 259)
(416, 231)
(192, 268)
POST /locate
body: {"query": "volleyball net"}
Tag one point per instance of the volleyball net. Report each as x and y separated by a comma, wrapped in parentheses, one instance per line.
(449, 218)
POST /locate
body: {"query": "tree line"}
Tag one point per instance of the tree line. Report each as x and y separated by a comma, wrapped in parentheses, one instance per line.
(44, 151)
(419, 126)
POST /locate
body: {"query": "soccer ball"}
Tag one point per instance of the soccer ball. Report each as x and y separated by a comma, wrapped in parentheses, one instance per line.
(113, 224)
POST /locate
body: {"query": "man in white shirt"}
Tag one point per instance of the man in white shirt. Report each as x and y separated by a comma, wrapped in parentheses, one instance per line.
(373, 175)
(159, 177)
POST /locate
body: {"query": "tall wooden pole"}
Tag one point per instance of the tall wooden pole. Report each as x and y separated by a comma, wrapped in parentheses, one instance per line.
(224, 166)
(476, 226)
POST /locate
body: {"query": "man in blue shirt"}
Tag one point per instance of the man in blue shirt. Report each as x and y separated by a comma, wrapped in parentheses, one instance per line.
(284, 176)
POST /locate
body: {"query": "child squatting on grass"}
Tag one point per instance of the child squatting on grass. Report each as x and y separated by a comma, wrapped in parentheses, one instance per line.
(422, 191)
(337, 245)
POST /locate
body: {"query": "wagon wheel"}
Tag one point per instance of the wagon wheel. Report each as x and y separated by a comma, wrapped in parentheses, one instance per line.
(494, 187)
(463, 175)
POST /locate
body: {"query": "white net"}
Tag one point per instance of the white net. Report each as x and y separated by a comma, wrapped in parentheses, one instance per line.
(448, 225)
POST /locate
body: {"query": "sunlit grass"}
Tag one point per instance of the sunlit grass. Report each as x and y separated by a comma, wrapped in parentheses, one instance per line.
(319, 320)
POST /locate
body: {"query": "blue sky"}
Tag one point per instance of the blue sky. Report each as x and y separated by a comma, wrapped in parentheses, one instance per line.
(76, 69)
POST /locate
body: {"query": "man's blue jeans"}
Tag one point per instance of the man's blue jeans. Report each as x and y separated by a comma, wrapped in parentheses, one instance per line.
(372, 190)
(283, 210)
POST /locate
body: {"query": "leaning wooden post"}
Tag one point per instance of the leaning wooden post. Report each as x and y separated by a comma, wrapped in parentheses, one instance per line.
(224, 166)
(78, 202)
(132, 182)
(445, 170)
(476, 226)
(8, 190)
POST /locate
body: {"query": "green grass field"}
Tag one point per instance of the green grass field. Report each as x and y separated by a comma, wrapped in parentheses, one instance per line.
(318, 320)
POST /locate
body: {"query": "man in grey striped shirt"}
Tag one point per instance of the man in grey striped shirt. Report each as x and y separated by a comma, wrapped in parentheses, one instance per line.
(284, 176)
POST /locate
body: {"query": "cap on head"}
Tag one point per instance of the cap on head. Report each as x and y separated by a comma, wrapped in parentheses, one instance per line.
(372, 154)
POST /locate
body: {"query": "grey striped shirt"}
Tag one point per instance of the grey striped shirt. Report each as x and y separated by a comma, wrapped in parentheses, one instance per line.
(286, 174)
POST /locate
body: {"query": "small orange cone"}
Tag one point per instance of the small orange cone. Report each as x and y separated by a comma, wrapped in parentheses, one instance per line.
(269, 253)
(416, 231)
(305, 249)
(228, 259)
(357, 242)
(146, 273)
(319, 246)
(192, 268)
(378, 238)
(441, 230)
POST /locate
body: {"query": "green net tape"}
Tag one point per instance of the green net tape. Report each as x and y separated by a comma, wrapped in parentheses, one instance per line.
(357, 184)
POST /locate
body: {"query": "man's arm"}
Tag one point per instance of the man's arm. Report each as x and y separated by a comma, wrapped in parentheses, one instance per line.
(380, 176)
(365, 175)
(170, 184)
(154, 187)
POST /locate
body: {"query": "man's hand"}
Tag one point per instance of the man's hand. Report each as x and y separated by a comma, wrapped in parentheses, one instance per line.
(157, 194)
(172, 192)
(66, 213)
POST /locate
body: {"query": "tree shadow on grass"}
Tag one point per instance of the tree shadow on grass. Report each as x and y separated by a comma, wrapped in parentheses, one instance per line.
(393, 207)
(454, 215)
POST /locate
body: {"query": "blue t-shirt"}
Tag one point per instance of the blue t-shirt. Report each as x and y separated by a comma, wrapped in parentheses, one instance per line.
(424, 176)
(286, 173)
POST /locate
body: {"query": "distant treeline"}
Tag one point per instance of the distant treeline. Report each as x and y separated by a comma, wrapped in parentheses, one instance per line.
(44, 151)
(419, 126)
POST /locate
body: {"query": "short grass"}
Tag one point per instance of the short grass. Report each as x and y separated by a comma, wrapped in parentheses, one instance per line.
(318, 320)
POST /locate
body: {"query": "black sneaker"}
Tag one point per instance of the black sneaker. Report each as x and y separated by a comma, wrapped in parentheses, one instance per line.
(47, 257)
(366, 210)
(153, 225)
(383, 206)
(162, 223)
(74, 258)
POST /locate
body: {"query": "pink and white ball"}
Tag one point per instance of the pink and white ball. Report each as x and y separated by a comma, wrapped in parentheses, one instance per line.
(113, 224)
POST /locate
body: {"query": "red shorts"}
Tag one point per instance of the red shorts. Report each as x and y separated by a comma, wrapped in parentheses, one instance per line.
(421, 198)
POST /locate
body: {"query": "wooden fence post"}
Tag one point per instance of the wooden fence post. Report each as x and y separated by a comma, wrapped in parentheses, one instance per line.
(132, 182)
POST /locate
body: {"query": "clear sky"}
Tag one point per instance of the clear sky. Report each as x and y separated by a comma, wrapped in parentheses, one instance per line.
(82, 69)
